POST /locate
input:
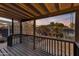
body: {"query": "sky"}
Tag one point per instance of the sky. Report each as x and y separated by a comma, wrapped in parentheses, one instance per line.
(65, 19)
(5, 20)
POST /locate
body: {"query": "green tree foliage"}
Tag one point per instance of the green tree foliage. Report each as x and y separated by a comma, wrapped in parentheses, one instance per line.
(72, 25)
(51, 28)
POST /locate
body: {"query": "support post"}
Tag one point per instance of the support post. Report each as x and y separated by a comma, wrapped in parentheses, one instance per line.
(20, 32)
(76, 44)
(34, 28)
(12, 31)
(9, 39)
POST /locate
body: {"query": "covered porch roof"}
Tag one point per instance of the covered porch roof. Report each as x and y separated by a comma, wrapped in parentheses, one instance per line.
(31, 11)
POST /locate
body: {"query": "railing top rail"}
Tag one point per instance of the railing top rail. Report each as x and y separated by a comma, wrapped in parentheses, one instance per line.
(46, 37)
(57, 39)
(52, 38)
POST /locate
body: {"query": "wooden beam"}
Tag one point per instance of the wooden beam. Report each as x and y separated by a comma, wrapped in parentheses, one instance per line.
(72, 5)
(8, 13)
(21, 8)
(54, 13)
(11, 8)
(57, 6)
(9, 16)
(45, 8)
(39, 7)
(34, 9)
(50, 7)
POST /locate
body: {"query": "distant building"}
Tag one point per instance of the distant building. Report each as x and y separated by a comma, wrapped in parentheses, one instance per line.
(68, 33)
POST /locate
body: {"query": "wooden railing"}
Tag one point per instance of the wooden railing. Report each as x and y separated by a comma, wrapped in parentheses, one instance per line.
(53, 46)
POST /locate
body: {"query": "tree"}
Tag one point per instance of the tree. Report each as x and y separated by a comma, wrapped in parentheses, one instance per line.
(72, 25)
(52, 24)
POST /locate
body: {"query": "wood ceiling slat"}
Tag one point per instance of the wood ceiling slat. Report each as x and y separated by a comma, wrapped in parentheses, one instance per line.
(45, 8)
(40, 8)
(13, 8)
(4, 15)
(9, 13)
(29, 10)
(33, 8)
(22, 10)
(13, 16)
(50, 7)
(7, 16)
(76, 4)
(64, 6)
(10, 16)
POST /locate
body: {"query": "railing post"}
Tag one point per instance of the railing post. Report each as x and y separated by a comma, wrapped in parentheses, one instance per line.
(76, 49)
(20, 31)
(34, 28)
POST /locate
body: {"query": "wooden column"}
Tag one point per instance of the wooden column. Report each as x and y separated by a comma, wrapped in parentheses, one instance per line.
(34, 28)
(9, 39)
(12, 27)
(20, 32)
(12, 31)
(77, 27)
(76, 44)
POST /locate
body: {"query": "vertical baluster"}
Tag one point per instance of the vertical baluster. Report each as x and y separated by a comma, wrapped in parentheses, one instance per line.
(57, 47)
(49, 46)
(65, 48)
(45, 44)
(52, 46)
(14, 40)
(40, 42)
(61, 48)
(69, 48)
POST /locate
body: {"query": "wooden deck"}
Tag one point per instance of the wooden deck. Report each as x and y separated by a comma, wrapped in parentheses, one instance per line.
(21, 50)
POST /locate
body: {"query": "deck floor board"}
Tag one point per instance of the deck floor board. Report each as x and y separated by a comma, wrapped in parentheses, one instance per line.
(20, 50)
